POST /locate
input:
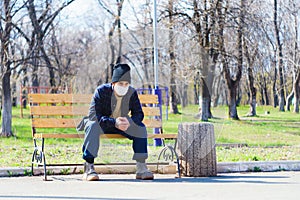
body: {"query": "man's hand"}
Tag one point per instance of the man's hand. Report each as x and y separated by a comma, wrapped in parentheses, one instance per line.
(122, 123)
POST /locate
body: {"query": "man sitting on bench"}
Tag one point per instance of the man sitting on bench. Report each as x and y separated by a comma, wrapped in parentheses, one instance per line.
(109, 113)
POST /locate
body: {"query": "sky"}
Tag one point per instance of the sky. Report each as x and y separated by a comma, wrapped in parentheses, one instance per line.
(80, 9)
(83, 10)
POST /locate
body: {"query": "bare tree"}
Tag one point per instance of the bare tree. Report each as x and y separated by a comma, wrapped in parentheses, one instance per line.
(41, 26)
(280, 57)
(293, 60)
(173, 99)
(9, 10)
(233, 79)
(203, 21)
(116, 23)
(5, 34)
(296, 71)
(250, 61)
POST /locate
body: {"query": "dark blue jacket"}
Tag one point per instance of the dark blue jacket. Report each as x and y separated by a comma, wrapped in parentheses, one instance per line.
(104, 102)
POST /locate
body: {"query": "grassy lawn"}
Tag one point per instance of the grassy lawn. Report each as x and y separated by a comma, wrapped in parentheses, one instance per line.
(274, 136)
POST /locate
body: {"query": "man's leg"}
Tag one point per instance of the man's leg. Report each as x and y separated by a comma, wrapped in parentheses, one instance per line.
(140, 148)
(138, 134)
(90, 149)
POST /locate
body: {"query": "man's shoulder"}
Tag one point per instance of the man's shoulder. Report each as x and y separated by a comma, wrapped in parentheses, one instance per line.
(103, 91)
(105, 86)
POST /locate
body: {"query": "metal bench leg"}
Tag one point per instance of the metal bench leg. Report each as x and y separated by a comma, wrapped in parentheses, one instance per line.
(38, 157)
(177, 159)
(34, 158)
(44, 159)
(168, 153)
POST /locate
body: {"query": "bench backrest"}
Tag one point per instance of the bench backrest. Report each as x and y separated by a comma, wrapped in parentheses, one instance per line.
(66, 110)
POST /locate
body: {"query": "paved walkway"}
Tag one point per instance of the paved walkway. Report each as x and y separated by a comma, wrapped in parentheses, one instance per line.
(227, 186)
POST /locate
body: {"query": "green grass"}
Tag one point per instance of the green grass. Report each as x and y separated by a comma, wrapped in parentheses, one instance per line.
(274, 136)
(274, 129)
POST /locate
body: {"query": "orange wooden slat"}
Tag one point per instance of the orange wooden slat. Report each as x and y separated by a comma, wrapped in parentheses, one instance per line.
(58, 135)
(104, 136)
(54, 122)
(162, 136)
(79, 110)
(148, 98)
(151, 111)
(151, 135)
(152, 123)
(72, 123)
(112, 136)
(59, 110)
(60, 98)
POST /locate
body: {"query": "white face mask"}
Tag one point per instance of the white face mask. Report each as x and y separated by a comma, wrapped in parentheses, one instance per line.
(120, 90)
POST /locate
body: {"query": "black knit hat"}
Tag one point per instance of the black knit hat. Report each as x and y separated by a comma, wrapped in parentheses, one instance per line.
(121, 73)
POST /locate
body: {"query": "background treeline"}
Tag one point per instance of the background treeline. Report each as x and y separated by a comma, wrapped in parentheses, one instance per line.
(211, 52)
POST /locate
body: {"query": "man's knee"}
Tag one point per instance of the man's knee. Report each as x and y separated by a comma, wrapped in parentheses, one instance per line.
(137, 131)
(93, 127)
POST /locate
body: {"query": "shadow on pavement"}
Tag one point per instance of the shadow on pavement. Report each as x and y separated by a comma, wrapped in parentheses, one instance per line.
(259, 179)
(60, 197)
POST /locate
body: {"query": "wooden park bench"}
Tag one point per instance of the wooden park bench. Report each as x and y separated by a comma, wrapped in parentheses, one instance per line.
(54, 111)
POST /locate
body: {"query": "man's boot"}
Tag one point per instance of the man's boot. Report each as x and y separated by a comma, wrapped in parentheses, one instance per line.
(89, 172)
(142, 172)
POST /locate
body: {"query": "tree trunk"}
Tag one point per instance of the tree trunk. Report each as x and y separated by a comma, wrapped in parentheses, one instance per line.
(232, 101)
(184, 97)
(216, 92)
(205, 100)
(250, 60)
(296, 84)
(267, 102)
(262, 99)
(275, 95)
(50, 68)
(24, 84)
(209, 21)
(7, 106)
(173, 99)
(280, 57)
(233, 83)
(109, 69)
(289, 100)
(297, 92)
(281, 90)
(119, 3)
(210, 80)
(112, 60)
(206, 85)
(35, 78)
(252, 93)
(6, 129)
(261, 89)
(203, 30)
(196, 88)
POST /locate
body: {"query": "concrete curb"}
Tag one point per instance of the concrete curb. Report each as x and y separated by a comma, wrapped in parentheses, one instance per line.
(222, 167)
(257, 166)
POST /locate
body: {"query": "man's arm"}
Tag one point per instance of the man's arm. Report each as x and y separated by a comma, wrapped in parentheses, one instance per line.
(102, 99)
(137, 114)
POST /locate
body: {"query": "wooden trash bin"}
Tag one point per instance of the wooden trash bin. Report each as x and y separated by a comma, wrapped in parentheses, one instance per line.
(196, 147)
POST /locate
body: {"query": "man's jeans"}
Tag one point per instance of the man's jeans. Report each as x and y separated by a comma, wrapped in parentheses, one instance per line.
(138, 134)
